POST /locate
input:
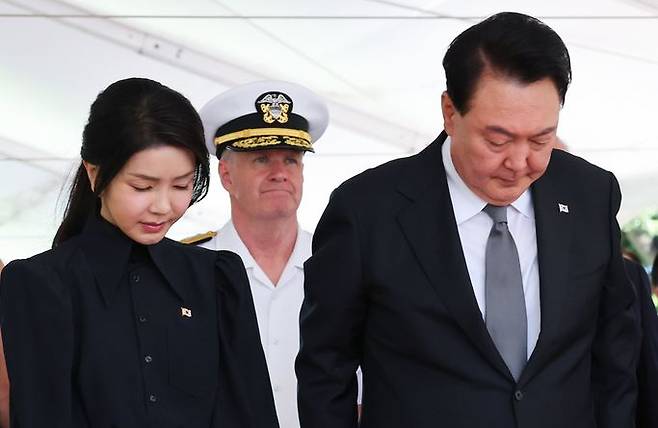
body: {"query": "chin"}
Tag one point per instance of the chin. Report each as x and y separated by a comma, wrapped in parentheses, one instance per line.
(509, 200)
(504, 198)
(282, 209)
(276, 214)
(149, 239)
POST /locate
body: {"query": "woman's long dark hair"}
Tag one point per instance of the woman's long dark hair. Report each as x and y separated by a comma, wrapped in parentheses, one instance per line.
(127, 117)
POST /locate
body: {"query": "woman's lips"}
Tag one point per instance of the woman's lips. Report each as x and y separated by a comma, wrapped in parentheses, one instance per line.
(153, 227)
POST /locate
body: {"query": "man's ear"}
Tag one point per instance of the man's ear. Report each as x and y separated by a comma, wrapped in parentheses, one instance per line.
(449, 112)
(92, 173)
(224, 169)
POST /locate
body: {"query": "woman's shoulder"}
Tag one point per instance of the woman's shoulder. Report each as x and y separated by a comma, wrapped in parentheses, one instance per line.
(231, 274)
(45, 261)
(219, 257)
(229, 257)
(190, 252)
(223, 268)
(22, 268)
(39, 274)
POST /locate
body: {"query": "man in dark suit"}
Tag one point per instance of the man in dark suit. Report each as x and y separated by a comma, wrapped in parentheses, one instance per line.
(4, 381)
(654, 281)
(478, 283)
(647, 370)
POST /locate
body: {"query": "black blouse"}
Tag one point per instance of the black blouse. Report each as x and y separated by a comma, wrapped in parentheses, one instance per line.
(104, 332)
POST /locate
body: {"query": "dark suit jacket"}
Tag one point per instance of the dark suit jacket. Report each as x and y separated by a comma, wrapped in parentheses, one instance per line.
(94, 336)
(387, 288)
(647, 371)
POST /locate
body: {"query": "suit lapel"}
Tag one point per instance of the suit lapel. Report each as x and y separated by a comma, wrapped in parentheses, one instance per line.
(553, 214)
(429, 225)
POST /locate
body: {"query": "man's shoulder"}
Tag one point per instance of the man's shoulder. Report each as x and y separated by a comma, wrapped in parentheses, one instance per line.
(581, 182)
(563, 163)
(386, 175)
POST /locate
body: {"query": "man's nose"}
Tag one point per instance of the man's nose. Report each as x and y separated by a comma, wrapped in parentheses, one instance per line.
(278, 171)
(517, 158)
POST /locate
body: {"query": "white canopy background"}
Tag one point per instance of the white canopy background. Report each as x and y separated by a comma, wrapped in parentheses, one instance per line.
(377, 62)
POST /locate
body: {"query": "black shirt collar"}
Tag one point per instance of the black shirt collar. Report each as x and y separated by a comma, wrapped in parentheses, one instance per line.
(108, 251)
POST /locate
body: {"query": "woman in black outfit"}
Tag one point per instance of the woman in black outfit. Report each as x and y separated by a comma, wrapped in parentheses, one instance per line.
(117, 326)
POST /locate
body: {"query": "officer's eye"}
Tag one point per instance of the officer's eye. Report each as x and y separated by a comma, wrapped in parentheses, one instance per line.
(261, 159)
(292, 161)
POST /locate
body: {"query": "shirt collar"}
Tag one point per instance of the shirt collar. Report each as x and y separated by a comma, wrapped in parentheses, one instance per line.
(299, 253)
(467, 204)
(228, 239)
(524, 204)
(108, 250)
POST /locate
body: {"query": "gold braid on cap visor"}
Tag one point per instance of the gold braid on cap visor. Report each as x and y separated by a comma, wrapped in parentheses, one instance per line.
(261, 137)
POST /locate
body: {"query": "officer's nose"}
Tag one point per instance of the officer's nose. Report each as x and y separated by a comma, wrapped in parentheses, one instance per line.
(278, 172)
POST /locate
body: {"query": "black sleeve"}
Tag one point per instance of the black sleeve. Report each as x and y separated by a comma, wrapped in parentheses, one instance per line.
(617, 341)
(244, 396)
(37, 329)
(647, 371)
(331, 321)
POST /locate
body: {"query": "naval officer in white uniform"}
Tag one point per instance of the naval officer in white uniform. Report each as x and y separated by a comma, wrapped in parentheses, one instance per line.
(260, 132)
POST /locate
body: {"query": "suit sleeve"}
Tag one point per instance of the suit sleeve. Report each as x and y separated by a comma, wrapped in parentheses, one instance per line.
(617, 341)
(331, 321)
(647, 371)
(37, 331)
(244, 395)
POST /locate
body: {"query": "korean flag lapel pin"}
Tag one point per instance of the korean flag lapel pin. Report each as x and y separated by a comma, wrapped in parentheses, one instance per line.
(563, 208)
(185, 312)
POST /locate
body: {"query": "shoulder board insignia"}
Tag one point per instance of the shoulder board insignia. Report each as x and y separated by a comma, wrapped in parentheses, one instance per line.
(199, 238)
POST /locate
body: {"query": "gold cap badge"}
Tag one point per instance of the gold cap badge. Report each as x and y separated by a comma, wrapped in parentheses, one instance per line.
(274, 106)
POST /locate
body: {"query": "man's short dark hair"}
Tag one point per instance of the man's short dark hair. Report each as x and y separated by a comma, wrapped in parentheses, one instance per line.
(513, 45)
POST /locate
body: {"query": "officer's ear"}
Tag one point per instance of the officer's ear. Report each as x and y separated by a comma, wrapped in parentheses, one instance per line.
(92, 173)
(449, 112)
(224, 170)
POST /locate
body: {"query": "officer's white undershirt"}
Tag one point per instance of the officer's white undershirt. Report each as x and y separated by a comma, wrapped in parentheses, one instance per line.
(474, 226)
(277, 311)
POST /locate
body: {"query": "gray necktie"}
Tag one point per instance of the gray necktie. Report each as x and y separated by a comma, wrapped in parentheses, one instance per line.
(505, 305)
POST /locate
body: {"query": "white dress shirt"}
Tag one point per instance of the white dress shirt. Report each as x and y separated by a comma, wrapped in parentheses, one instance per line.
(277, 310)
(474, 226)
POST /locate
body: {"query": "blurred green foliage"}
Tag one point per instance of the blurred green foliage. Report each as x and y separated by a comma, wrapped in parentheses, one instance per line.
(640, 236)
